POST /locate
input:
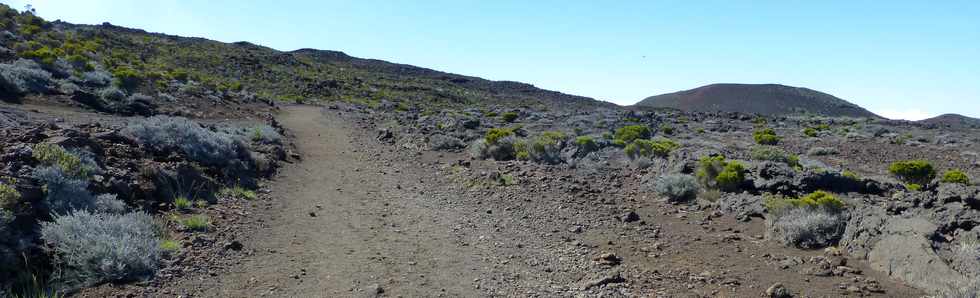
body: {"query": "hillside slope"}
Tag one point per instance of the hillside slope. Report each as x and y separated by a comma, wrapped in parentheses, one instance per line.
(953, 121)
(766, 99)
(151, 63)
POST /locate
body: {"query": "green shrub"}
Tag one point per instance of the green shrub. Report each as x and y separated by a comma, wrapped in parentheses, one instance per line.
(731, 177)
(956, 176)
(495, 134)
(647, 148)
(717, 173)
(818, 199)
(851, 175)
(43, 55)
(913, 187)
(547, 147)
(708, 169)
(182, 203)
(8, 196)
(170, 245)
(585, 142)
(913, 171)
(196, 222)
(810, 132)
(667, 129)
(239, 192)
(630, 133)
(766, 136)
(127, 78)
(490, 114)
(69, 163)
(521, 151)
(774, 154)
(509, 117)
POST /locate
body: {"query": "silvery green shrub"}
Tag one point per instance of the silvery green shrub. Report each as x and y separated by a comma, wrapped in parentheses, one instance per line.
(90, 248)
(677, 187)
(808, 227)
(200, 144)
(23, 76)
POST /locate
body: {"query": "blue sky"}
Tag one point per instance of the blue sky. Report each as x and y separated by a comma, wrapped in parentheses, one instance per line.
(901, 59)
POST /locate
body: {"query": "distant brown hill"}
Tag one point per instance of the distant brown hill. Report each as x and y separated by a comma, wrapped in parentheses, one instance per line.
(766, 99)
(953, 121)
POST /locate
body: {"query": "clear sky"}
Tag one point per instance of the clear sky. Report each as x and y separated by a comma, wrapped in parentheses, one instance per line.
(900, 59)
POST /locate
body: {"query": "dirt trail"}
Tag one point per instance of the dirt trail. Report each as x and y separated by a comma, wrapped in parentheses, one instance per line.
(347, 228)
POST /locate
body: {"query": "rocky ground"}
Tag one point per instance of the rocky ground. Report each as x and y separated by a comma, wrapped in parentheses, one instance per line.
(378, 202)
(372, 210)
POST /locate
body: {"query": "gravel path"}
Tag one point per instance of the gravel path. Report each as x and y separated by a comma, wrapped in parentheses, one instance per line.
(345, 230)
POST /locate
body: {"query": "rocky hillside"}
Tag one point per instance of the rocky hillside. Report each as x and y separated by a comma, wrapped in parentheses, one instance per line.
(952, 121)
(766, 99)
(150, 63)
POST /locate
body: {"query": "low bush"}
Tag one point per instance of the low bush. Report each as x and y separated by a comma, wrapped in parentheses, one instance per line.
(495, 134)
(196, 222)
(8, 196)
(239, 192)
(96, 78)
(766, 136)
(808, 228)
(815, 200)
(627, 134)
(162, 133)
(955, 176)
(444, 142)
(913, 171)
(586, 144)
(265, 134)
(547, 147)
(813, 221)
(509, 117)
(770, 153)
(677, 188)
(667, 129)
(90, 248)
(127, 78)
(112, 94)
(731, 178)
(75, 164)
(22, 77)
(109, 203)
(182, 203)
(714, 172)
(650, 148)
(63, 192)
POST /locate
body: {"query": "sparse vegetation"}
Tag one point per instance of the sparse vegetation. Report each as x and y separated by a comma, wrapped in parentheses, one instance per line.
(96, 247)
(546, 148)
(766, 136)
(627, 134)
(918, 172)
(714, 172)
(955, 176)
(182, 203)
(813, 221)
(239, 192)
(770, 153)
(509, 117)
(677, 188)
(650, 148)
(22, 77)
(197, 222)
(162, 133)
